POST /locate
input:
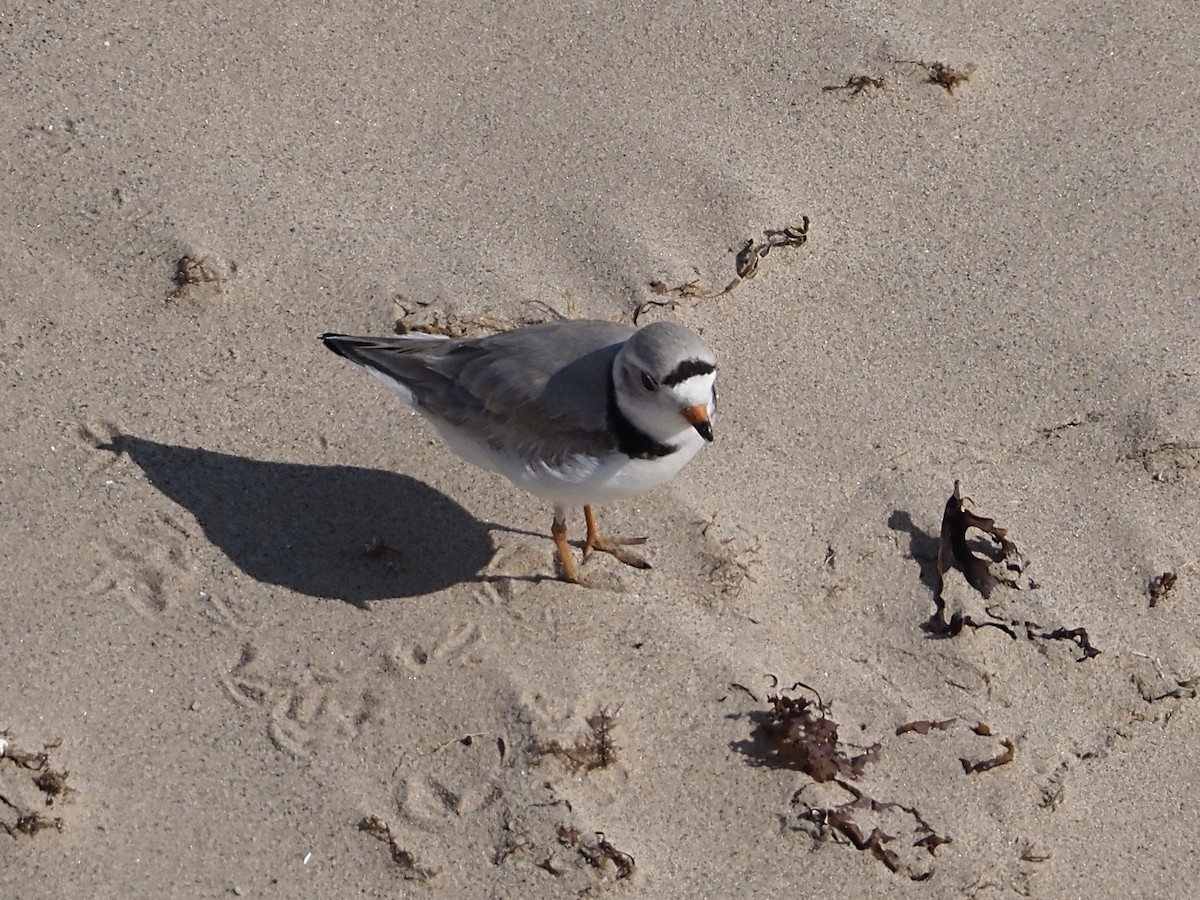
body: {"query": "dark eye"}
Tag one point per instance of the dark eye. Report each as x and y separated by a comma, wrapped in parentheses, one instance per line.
(649, 383)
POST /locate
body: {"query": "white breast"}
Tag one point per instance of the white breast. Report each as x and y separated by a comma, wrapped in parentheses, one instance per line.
(580, 480)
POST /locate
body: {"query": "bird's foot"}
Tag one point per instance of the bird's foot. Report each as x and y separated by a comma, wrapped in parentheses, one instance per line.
(613, 547)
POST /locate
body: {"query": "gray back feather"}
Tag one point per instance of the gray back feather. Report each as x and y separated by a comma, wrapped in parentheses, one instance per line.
(541, 390)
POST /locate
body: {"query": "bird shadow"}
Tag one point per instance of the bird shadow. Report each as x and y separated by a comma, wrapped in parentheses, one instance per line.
(337, 532)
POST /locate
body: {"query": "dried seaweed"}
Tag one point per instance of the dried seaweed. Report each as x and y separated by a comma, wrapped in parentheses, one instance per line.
(944, 75)
(1182, 689)
(687, 289)
(740, 687)
(745, 267)
(984, 765)
(932, 841)
(36, 762)
(1088, 419)
(924, 726)
(191, 271)
(1033, 854)
(28, 823)
(603, 851)
(994, 563)
(673, 295)
(939, 73)
(796, 734)
(1161, 586)
(596, 751)
(596, 851)
(753, 251)
(1078, 636)
(855, 84)
(50, 782)
(980, 571)
(53, 784)
(842, 819)
(405, 860)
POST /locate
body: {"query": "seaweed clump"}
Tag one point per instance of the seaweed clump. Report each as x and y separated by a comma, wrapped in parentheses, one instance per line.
(796, 734)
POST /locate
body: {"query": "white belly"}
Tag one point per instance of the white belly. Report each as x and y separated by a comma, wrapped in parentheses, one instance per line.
(580, 480)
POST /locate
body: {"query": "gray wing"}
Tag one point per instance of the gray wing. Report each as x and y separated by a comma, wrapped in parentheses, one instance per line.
(537, 391)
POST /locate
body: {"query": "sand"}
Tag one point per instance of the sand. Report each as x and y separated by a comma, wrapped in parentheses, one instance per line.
(283, 644)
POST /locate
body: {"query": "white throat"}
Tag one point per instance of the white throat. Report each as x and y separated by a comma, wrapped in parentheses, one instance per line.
(660, 416)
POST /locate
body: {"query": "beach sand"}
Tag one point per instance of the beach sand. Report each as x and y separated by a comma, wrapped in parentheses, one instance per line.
(283, 644)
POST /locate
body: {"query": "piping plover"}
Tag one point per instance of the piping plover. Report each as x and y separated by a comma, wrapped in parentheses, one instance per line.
(577, 412)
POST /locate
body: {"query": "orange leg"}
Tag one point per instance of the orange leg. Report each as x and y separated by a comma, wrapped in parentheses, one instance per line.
(611, 546)
(558, 530)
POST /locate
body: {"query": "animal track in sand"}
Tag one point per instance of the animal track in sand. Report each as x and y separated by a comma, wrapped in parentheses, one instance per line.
(310, 708)
(1170, 461)
(313, 705)
(227, 613)
(321, 709)
(452, 647)
(240, 682)
(91, 439)
(483, 796)
(149, 566)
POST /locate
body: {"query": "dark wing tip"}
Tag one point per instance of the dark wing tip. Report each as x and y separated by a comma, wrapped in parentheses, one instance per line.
(339, 343)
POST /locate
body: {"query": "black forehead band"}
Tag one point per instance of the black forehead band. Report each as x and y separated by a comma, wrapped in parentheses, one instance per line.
(687, 369)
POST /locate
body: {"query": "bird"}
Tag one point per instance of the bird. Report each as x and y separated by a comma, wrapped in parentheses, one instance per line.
(577, 412)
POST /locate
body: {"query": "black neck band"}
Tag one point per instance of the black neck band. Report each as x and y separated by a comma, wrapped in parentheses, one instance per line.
(631, 440)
